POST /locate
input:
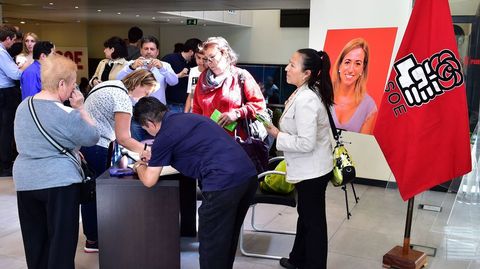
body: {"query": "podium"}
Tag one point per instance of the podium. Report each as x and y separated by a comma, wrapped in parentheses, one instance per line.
(140, 227)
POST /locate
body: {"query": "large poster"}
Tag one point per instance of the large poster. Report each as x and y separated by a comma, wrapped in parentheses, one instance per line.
(360, 64)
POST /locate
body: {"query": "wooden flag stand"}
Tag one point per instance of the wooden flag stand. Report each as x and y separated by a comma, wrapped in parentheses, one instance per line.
(405, 257)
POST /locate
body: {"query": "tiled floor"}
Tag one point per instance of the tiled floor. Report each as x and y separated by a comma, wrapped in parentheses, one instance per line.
(377, 224)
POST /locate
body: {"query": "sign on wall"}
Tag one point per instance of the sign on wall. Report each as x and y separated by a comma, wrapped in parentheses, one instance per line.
(79, 55)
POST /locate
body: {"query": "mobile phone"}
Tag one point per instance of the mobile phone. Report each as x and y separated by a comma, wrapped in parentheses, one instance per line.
(120, 172)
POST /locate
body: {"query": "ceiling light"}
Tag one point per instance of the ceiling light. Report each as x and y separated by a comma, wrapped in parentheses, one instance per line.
(76, 7)
(50, 3)
(22, 22)
(168, 19)
(119, 13)
(153, 18)
(181, 21)
(137, 15)
(99, 10)
(78, 20)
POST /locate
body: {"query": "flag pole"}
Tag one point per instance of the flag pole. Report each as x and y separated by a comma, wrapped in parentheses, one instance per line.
(405, 257)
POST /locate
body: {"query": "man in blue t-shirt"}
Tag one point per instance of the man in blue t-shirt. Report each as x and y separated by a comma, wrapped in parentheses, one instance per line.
(31, 82)
(198, 148)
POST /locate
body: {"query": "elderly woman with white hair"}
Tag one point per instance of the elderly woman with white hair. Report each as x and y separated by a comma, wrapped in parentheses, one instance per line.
(46, 180)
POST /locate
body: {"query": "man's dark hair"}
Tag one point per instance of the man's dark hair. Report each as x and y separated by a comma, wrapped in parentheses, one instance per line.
(7, 30)
(120, 48)
(178, 47)
(149, 39)
(134, 34)
(40, 47)
(149, 109)
(192, 44)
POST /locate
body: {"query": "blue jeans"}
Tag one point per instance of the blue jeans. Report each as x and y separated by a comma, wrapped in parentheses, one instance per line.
(96, 157)
(176, 108)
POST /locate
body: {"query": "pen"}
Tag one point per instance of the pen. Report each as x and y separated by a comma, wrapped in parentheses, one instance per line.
(145, 146)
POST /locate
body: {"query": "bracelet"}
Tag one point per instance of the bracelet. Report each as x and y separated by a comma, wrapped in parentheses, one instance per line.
(131, 67)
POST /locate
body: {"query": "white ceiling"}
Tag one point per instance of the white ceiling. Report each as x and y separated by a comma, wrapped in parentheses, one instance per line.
(128, 11)
(150, 11)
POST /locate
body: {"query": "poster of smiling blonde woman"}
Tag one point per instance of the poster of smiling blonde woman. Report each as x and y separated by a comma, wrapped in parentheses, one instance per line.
(359, 74)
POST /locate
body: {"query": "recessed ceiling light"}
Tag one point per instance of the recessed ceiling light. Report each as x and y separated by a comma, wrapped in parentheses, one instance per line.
(99, 10)
(22, 22)
(50, 3)
(76, 7)
(181, 21)
(153, 18)
(78, 20)
(168, 19)
(119, 13)
(137, 15)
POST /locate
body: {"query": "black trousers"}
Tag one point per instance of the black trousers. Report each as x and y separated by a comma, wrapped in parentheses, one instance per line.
(221, 216)
(49, 224)
(9, 100)
(310, 247)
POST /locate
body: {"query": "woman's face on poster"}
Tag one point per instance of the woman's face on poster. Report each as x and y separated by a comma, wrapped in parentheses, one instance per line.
(352, 66)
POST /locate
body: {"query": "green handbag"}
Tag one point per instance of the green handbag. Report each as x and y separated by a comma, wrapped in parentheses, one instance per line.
(343, 167)
(275, 183)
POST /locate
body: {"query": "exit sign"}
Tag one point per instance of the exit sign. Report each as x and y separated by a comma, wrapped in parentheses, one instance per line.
(192, 21)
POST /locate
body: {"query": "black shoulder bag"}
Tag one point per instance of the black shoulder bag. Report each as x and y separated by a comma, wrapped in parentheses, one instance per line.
(253, 145)
(87, 189)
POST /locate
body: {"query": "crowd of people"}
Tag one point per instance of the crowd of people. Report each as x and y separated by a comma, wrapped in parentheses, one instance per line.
(133, 95)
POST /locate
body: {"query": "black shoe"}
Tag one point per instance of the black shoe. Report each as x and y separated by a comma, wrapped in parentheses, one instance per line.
(285, 262)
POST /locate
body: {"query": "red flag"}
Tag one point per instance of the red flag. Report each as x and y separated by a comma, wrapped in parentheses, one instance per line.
(422, 125)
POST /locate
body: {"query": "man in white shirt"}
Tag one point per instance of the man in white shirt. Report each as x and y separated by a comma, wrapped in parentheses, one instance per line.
(162, 71)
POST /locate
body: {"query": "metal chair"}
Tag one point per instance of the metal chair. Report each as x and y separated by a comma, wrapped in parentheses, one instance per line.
(267, 198)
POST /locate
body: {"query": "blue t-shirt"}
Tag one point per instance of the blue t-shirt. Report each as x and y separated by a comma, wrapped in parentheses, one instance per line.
(176, 94)
(30, 80)
(197, 147)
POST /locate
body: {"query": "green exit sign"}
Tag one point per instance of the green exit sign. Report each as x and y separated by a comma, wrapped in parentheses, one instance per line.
(192, 21)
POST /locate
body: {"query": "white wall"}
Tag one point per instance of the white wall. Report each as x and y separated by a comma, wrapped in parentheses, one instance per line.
(347, 14)
(265, 42)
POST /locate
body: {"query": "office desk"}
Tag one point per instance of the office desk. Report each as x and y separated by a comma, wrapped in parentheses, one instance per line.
(138, 227)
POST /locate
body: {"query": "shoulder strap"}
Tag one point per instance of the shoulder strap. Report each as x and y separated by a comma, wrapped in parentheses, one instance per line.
(106, 86)
(332, 125)
(47, 136)
(241, 83)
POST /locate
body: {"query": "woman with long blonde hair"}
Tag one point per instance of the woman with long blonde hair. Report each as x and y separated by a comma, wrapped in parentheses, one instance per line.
(354, 109)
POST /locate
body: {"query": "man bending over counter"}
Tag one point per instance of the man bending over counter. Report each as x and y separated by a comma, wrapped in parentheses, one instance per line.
(199, 148)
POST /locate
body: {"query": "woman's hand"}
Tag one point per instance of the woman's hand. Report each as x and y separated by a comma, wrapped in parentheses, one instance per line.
(76, 99)
(227, 118)
(272, 130)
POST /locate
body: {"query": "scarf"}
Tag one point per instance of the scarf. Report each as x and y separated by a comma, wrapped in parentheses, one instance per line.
(212, 82)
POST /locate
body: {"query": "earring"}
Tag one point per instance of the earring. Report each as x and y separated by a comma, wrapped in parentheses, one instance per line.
(338, 71)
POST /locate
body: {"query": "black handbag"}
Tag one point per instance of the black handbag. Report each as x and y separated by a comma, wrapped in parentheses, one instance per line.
(254, 145)
(88, 186)
(343, 167)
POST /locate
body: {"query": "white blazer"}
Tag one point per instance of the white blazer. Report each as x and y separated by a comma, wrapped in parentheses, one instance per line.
(304, 136)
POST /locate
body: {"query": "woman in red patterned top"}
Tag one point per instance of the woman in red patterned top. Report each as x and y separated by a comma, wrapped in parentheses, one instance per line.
(220, 87)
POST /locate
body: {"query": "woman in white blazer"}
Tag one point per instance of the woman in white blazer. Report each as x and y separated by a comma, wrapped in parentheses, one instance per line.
(304, 138)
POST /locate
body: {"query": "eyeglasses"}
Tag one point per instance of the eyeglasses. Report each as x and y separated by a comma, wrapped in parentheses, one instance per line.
(213, 59)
